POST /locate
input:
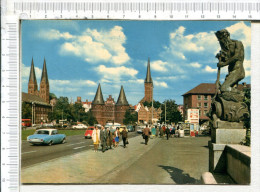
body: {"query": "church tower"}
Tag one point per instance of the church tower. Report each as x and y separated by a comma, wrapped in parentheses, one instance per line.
(148, 85)
(98, 106)
(32, 85)
(121, 106)
(44, 85)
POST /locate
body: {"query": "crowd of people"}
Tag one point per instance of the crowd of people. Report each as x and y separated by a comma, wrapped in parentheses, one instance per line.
(106, 138)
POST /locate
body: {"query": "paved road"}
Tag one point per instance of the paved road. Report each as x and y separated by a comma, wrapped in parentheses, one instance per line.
(173, 161)
(32, 154)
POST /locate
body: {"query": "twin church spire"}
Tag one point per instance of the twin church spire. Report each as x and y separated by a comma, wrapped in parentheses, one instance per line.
(99, 100)
(44, 84)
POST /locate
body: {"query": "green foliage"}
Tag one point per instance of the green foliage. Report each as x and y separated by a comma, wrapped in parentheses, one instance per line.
(71, 112)
(130, 117)
(26, 111)
(172, 113)
(156, 104)
(52, 95)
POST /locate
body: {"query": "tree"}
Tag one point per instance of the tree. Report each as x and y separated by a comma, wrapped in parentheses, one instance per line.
(26, 111)
(130, 117)
(172, 113)
(156, 104)
(52, 95)
(62, 110)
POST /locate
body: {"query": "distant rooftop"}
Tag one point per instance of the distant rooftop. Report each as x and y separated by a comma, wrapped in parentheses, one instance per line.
(210, 89)
(33, 98)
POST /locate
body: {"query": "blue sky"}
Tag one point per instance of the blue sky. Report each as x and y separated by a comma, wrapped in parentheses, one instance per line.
(82, 53)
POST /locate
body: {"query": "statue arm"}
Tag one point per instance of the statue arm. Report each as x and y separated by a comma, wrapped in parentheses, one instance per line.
(236, 57)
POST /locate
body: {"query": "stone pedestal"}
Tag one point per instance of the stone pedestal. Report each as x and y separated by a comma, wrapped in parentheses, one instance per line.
(225, 133)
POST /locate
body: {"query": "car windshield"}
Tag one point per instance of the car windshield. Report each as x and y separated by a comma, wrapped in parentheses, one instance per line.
(45, 132)
(90, 129)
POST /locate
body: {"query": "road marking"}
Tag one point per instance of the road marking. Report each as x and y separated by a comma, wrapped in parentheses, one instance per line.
(28, 152)
(79, 147)
(75, 143)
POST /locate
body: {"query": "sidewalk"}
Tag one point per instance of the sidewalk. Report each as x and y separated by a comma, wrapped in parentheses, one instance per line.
(88, 166)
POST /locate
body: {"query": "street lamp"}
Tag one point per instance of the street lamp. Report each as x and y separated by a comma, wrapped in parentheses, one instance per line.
(32, 113)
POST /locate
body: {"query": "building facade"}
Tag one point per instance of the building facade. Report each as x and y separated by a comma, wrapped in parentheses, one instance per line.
(108, 111)
(39, 100)
(200, 98)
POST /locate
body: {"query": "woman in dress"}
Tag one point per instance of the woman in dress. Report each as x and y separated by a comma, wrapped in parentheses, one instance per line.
(96, 138)
(117, 134)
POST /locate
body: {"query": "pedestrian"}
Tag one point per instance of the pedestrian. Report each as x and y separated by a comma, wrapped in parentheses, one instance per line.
(117, 134)
(146, 133)
(103, 139)
(167, 131)
(161, 132)
(109, 138)
(96, 138)
(124, 136)
(157, 131)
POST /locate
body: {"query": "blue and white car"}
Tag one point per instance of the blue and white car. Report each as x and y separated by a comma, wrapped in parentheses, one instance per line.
(46, 137)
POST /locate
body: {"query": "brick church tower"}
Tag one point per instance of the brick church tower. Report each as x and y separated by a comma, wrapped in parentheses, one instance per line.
(98, 106)
(148, 85)
(121, 106)
(32, 84)
(44, 85)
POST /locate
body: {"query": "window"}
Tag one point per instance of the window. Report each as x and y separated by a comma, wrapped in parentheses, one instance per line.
(205, 105)
(199, 112)
(199, 97)
(205, 97)
(205, 112)
(199, 105)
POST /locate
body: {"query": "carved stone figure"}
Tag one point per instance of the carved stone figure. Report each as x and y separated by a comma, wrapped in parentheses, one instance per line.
(227, 104)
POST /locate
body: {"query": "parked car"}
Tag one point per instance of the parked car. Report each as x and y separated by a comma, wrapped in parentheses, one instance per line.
(46, 137)
(130, 128)
(79, 126)
(121, 128)
(88, 132)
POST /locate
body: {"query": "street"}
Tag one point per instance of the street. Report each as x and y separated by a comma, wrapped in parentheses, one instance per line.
(33, 154)
(173, 161)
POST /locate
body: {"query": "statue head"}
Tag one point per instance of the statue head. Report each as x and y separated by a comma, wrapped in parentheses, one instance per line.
(223, 38)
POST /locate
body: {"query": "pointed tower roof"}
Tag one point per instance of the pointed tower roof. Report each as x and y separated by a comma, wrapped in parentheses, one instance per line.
(148, 78)
(32, 73)
(44, 73)
(99, 96)
(122, 98)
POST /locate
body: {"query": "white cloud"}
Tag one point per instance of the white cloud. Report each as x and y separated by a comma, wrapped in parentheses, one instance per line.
(247, 66)
(195, 65)
(160, 84)
(91, 93)
(26, 73)
(210, 70)
(92, 45)
(159, 65)
(54, 34)
(240, 31)
(115, 73)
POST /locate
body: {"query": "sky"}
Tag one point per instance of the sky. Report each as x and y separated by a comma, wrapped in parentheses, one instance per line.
(80, 54)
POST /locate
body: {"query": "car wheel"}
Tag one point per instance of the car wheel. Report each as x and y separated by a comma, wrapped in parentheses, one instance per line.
(63, 141)
(50, 143)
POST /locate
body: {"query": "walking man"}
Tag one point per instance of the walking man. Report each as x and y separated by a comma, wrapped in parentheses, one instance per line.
(103, 138)
(167, 132)
(146, 132)
(124, 136)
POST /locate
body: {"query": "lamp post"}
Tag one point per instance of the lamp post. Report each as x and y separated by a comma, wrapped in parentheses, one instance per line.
(165, 113)
(32, 113)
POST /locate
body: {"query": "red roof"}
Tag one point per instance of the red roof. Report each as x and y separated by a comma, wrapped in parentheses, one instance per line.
(210, 89)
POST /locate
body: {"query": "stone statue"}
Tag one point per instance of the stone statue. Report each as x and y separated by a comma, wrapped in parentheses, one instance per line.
(227, 104)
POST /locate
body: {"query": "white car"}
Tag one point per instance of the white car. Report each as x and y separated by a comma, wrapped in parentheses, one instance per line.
(79, 126)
